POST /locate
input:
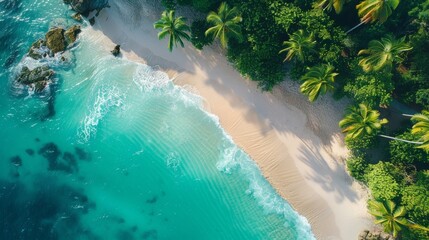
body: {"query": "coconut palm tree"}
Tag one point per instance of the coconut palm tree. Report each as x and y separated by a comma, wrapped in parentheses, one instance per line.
(375, 10)
(225, 23)
(383, 53)
(391, 216)
(361, 121)
(318, 80)
(299, 43)
(337, 5)
(176, 28)
(421, 128)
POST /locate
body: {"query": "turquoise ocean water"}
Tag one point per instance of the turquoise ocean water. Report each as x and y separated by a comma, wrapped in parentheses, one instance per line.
(116, 151)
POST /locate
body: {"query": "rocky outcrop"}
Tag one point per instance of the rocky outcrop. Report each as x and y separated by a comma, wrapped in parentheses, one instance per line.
(374, 235)
(71, 34)
(86, 6)
(38, 74)
(35, 51)
(77, 17)
(55, 40)
(116, 51)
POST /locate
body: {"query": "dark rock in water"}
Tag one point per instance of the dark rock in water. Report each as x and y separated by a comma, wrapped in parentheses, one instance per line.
(124, 235)
(152, 200)
(150, 234)
(51, 152)
(38, 74)
(55, 40)
(86, 6)
(40, 85)
(29, 151)
(81, 154)
(34, 51)
(116, 51)
(70, 161)
(67, 163)
(37, 139)
(92, 21)
(16, 160)
(45, 211)
(77, 17)
(71, 34)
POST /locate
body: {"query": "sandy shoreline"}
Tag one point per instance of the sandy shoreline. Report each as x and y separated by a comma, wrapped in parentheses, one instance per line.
(296, 144)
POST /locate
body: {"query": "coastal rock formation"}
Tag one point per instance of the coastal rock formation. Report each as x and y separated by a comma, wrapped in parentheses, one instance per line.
(116, 51)
(77, 17)
(35, 51)
(55, 40)
(374, 235)
(86, 6)
(38, 74)
(71, 34)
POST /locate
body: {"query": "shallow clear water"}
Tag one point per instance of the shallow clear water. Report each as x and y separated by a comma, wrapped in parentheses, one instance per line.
(116, 151)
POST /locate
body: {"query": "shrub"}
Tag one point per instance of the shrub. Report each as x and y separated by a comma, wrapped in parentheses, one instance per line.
(357, 167)
(198, 36)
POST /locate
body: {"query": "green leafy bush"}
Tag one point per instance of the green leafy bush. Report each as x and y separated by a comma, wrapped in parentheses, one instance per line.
(198, 37)
(381, 181)
(357, 167)
(406, 153)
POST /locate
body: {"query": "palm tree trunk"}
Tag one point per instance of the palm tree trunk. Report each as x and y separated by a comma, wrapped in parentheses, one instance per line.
(398, 139)
(353, 28)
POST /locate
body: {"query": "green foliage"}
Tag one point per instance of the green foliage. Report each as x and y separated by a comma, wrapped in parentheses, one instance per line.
(375, 88)
(359, 146)
(257, 56)
(406, 153)
(422, 97)
(201, 5)
(361, 121)
(421, 128)
(383, 53)
(389, 215)
(337, 5)
(225, 24)
(318, 80)
(258, 65)
(299, 44)
(415, 198)
(376, 10)
(328, 36)
(381, 181)
(198, 36)
(173, 27)
(357, 167)
(169, 4)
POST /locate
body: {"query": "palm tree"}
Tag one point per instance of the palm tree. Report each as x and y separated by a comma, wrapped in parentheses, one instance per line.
(174, 27)
(225, 23)
(391, 217)
(383, 53)
(421, 128)
(318, 80)
(363, 121)
(375, 10)
(299, 43)
(329, 4)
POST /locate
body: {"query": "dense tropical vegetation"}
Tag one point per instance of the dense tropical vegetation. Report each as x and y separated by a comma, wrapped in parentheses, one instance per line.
(378, 53)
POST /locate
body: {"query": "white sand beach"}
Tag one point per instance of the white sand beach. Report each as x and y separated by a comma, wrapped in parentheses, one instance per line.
(297, 144)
